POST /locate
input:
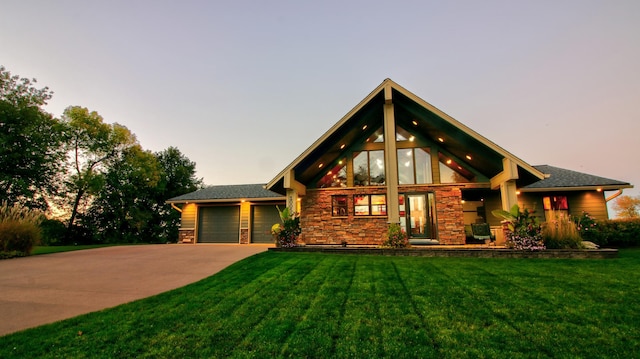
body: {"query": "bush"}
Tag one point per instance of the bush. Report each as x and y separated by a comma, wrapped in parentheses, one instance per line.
(286, 235)
(397, 237)
(618, 233)
(18, 236)
(19, 228)
(53, 232)
(561, 232)
(524, 231)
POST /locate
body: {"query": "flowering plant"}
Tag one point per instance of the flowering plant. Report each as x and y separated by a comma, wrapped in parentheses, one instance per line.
(286, 234)
(397, 237)
(524, 231)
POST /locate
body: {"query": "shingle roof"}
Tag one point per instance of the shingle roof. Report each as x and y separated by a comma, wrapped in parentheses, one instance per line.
(230, 192)
(563, 178)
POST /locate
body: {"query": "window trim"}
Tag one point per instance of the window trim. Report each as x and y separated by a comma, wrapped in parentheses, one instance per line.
(345, 207)
(370, 205)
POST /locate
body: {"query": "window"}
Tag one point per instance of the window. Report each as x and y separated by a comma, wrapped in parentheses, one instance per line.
(452, 172)
(414, 166)
(339, 206)
(368, 168)
(556, 203)
(370, 205)
(336, 177)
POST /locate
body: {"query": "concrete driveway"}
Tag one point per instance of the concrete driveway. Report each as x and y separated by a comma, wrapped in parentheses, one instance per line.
(47, 288)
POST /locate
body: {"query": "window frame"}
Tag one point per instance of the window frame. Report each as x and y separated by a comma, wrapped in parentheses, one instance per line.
(369, 206)
(339, 210)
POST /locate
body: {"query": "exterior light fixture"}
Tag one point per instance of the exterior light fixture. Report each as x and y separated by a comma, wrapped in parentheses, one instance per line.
(342, 146)
(415, 123)
(599, 189)
(320, 165)
(448, 162)
(364, 127)
(412, 138)
(517, 193)
(469, 157)
(440, 139)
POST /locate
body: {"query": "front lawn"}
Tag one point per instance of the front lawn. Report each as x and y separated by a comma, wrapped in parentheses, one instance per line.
(57, 249)
(323, 305)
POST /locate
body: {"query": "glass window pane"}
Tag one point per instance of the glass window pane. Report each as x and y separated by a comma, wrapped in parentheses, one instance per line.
(360, 169)
(423, 166)
(376, 168)
(405, 166)
(378, 205)
(339, 205)
(336, 177)
(361, 200)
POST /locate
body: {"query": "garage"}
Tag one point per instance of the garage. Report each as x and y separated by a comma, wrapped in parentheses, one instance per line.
(220, 224)
(263, 218)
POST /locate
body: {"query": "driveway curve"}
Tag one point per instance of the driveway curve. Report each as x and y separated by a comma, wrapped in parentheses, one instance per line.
(46, 288)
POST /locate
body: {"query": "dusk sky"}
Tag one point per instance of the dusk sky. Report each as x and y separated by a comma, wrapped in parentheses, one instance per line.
(243, 87)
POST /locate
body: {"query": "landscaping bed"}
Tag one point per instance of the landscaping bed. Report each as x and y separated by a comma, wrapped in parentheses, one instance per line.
(443, 251)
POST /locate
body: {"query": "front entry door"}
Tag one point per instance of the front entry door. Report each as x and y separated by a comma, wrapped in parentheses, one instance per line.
(417, 215)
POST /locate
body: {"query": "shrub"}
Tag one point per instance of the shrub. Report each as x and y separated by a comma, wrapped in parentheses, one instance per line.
(286, 235)
(619, 233)
(18, 236)
(396, 238)
(53, 232)
(525, 233)
(561, 232)
(19, 228)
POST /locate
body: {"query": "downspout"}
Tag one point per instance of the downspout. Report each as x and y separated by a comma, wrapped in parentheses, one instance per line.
(613, 196)
(176, 207)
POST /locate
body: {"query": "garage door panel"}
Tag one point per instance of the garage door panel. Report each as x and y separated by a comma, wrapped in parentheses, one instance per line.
(219, 224)
(263, 218)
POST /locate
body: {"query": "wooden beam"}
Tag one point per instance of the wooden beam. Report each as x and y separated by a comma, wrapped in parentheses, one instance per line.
(291, 183)
(509, 173)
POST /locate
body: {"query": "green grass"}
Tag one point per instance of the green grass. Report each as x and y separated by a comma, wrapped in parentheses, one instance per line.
(322, 305)
(57, 249)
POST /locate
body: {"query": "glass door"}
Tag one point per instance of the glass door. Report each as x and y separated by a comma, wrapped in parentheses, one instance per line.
(417, 215)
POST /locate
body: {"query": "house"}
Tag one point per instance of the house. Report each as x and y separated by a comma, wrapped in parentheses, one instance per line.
(394, 158)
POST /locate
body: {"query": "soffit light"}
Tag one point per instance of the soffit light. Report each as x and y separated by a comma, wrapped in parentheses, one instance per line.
(364, 127)
(415, 123)
(342, 146)
(412, 138)
(440, 139)
(469, 157)
(320, 165)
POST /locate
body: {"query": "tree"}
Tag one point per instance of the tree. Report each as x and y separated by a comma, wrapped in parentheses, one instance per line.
(92, 145)
(123, 208)
(627, 207)
(31, 150)
(179, 178)
(130, 207)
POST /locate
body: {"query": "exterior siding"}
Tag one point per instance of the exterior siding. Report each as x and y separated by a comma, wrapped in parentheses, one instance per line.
(188, 218)
(320, 227)
(592, 202)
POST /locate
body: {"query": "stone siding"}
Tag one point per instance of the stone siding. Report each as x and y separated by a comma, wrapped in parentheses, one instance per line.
(186, 236)
(320, 227)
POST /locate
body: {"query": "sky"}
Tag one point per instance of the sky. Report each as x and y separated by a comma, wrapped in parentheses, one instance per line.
(243, 87)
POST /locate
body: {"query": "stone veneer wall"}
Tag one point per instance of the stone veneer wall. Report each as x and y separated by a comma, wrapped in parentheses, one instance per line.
(319, 227)
(244, 236)
(186, 236)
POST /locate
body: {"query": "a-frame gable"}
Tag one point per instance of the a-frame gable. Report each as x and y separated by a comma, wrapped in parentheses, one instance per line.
(412, 114)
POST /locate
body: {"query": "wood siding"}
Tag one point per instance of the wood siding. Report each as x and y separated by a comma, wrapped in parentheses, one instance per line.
(188, 218)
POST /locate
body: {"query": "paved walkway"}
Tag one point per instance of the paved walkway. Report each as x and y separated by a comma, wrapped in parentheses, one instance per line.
(47, 288)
